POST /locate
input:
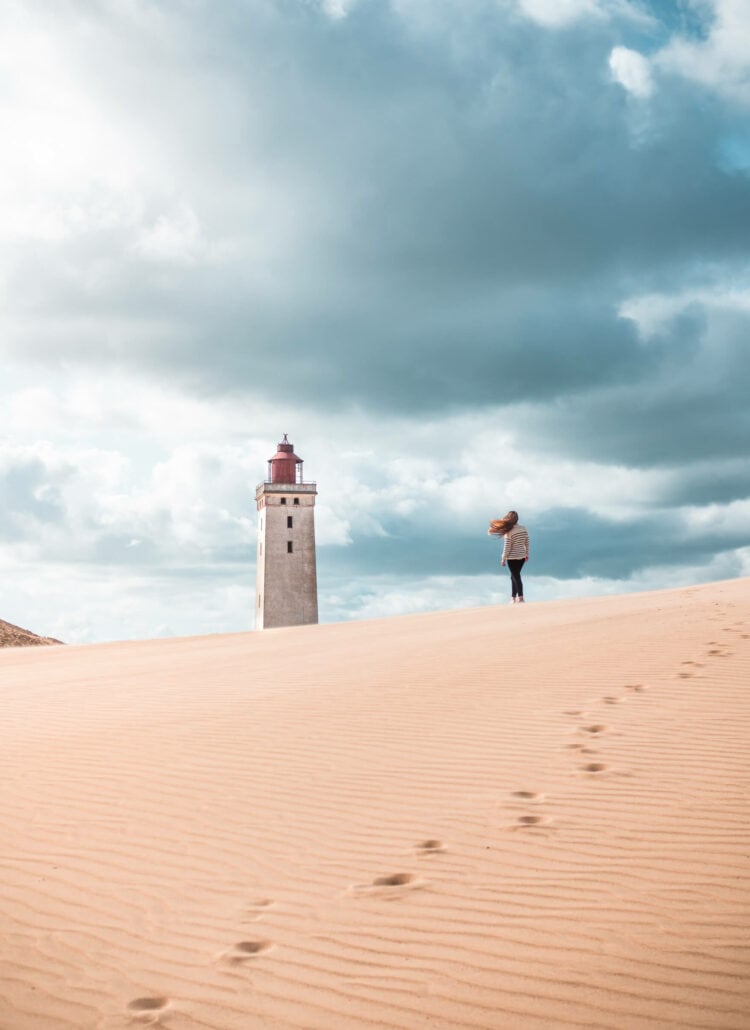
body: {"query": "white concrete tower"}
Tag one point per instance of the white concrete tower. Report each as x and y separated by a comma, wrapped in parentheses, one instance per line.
(286, 591)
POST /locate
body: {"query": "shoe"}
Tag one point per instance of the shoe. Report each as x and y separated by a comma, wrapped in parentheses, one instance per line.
(512, 600)
(520, 601)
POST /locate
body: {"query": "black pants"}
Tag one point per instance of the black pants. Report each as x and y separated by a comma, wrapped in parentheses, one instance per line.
(515, 565)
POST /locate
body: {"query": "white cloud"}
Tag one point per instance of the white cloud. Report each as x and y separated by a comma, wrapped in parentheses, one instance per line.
(389, 596)
(425, 16)
(728, 518)
(82, 605)
(67, 168)
(175, 237)
(652, 312)
(632, 71)
(337, 9)
(721, 61)
(556, 13)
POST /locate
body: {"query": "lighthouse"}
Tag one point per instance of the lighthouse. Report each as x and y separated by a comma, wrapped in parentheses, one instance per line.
(286, 582)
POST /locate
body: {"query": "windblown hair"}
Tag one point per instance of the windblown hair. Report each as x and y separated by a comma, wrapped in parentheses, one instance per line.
(499, 527)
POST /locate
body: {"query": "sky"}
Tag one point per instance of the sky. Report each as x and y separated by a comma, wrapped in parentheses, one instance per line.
(471, 255)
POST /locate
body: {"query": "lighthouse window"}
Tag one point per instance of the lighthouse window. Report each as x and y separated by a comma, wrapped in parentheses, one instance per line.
(289, 521)
(289, 547)
(283, 500)
(296, 500)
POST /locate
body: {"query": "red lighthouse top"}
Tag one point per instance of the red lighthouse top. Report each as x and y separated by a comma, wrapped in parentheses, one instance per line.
(285, 466)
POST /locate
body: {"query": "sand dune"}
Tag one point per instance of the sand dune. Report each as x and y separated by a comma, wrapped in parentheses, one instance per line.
(14, 636)
(508, 817)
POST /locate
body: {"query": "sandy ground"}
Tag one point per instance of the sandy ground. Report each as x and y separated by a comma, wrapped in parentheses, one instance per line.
(526, 816)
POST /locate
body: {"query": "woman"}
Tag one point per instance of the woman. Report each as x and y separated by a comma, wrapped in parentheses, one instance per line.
(515, 550)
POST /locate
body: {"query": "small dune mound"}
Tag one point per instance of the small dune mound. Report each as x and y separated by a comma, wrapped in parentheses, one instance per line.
(14, 636)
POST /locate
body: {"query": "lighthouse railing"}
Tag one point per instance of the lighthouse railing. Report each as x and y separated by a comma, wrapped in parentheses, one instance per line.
(304, 483)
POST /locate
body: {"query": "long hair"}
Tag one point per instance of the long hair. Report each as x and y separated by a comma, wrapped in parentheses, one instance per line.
(499, 527)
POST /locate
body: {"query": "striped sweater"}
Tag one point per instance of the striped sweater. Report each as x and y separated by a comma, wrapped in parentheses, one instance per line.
(516, 543)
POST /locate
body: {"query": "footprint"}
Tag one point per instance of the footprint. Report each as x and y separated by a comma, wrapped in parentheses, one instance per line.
(532, 820)
(698, 665)
(393, 880)
(610, 700)
(394, 885)
(574, 711)
(148, 1004)
(243, 951)
(528, 795)
(597, 727)
(148, 1009)
(574, 747)
(431, 847)
(637, 688)
(594, 767)
(686, 675)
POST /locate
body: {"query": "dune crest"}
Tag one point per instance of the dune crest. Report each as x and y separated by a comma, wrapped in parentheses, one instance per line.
(529, 816)
(14, 636)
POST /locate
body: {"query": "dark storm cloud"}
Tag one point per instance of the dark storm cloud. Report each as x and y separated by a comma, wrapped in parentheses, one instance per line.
(467, 206)
(709, 483)
(692, 406)
(574, 542)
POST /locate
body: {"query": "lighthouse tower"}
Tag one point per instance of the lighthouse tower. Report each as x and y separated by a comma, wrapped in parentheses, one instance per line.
(286, 583)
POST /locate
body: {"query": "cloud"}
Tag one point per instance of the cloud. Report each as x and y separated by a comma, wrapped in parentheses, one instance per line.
(654, 312)
(632, 71)
(710, 48)
(463, 206)
(556, 13)
(174, 237)
(89, 504)
(79, 604)
(720, 60)
(337, 9)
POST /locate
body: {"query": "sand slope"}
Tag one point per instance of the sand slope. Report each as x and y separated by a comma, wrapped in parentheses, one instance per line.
(14, 636)
(508, 817)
